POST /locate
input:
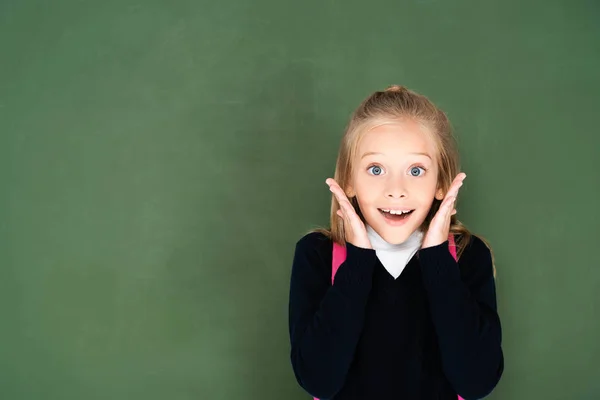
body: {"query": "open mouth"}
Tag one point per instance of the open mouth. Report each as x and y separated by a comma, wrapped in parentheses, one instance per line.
(395, 215)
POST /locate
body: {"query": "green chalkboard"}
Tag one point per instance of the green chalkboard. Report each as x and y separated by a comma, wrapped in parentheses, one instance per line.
(159, 160)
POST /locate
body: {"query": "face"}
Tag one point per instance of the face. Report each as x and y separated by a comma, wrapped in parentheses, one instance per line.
(395, 178)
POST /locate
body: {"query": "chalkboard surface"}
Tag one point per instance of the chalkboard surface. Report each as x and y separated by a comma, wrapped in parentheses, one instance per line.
(159, 160)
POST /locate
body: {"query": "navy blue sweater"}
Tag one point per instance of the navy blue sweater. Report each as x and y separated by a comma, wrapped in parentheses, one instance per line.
(432, 333)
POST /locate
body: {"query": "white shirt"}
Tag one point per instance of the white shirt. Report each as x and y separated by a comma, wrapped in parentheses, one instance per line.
(394, 257)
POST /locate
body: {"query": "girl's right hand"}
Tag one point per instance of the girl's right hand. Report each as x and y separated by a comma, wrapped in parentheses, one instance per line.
(354, 228)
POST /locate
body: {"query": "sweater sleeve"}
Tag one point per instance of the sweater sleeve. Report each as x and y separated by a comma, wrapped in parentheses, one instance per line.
(325, 320)
(462, 301)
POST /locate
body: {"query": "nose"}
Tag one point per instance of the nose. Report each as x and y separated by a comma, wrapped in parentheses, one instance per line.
(396, 189)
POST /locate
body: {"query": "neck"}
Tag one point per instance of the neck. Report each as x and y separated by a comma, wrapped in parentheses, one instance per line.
(379, 243)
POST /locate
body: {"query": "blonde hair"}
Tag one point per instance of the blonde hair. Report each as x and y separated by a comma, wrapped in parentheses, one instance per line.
(398, 102)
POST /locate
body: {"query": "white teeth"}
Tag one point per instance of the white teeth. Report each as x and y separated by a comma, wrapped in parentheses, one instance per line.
(396, 212)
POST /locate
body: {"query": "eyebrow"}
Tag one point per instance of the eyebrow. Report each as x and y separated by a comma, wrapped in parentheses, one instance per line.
(371, 153)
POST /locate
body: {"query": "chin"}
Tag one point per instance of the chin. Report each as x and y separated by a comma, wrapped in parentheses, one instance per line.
(393, 232)
(396, 237)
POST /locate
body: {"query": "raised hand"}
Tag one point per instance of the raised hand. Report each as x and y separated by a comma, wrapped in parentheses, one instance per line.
(439, 227)
(354, 228)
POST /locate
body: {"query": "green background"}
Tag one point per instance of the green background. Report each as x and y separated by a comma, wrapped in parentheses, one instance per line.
(159, 160)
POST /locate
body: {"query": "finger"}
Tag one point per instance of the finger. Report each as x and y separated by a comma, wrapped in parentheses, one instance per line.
(344, 217)
(456, 184)
(351, 218)
(351, 215)
(332, 183)
(338, 193)
(336, 189)
(344, 204)
(342, 214)
(442, 212)
(453, 191)
(452, 194)
(458, 180)
(342, 199)
(449, 206)
(348, 225)
(442, 216)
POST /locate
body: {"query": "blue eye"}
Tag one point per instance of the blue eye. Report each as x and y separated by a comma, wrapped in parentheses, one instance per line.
(375, 170)
(414, 171)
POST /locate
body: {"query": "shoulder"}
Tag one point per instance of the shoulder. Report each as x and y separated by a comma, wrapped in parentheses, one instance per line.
(313, 241)
(313, 253)
(476, 260)
(477, 247)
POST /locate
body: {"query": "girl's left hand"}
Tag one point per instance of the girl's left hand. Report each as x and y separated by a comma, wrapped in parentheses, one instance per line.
(439, 228)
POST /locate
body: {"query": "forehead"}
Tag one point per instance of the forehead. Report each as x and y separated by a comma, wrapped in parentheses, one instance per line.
(397, 137)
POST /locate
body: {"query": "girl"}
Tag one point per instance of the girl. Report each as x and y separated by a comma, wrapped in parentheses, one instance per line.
(403, 319)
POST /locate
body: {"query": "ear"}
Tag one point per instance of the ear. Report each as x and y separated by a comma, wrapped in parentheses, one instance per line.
(350, 192)
(439, 194)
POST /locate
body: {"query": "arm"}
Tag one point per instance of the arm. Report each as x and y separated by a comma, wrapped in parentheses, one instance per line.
(325, 321)
(463, 308)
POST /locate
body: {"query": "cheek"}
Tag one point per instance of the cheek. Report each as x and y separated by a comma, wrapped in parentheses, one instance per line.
(429, 184)
(368, 189)
(424, 192)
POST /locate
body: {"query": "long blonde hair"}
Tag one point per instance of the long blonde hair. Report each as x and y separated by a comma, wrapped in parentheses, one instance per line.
(398, 102)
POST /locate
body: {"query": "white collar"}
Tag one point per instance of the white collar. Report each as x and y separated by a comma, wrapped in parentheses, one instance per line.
(395, 257)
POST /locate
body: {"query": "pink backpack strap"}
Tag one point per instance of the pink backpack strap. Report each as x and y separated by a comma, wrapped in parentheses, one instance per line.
(339, 256)
(452, 246)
